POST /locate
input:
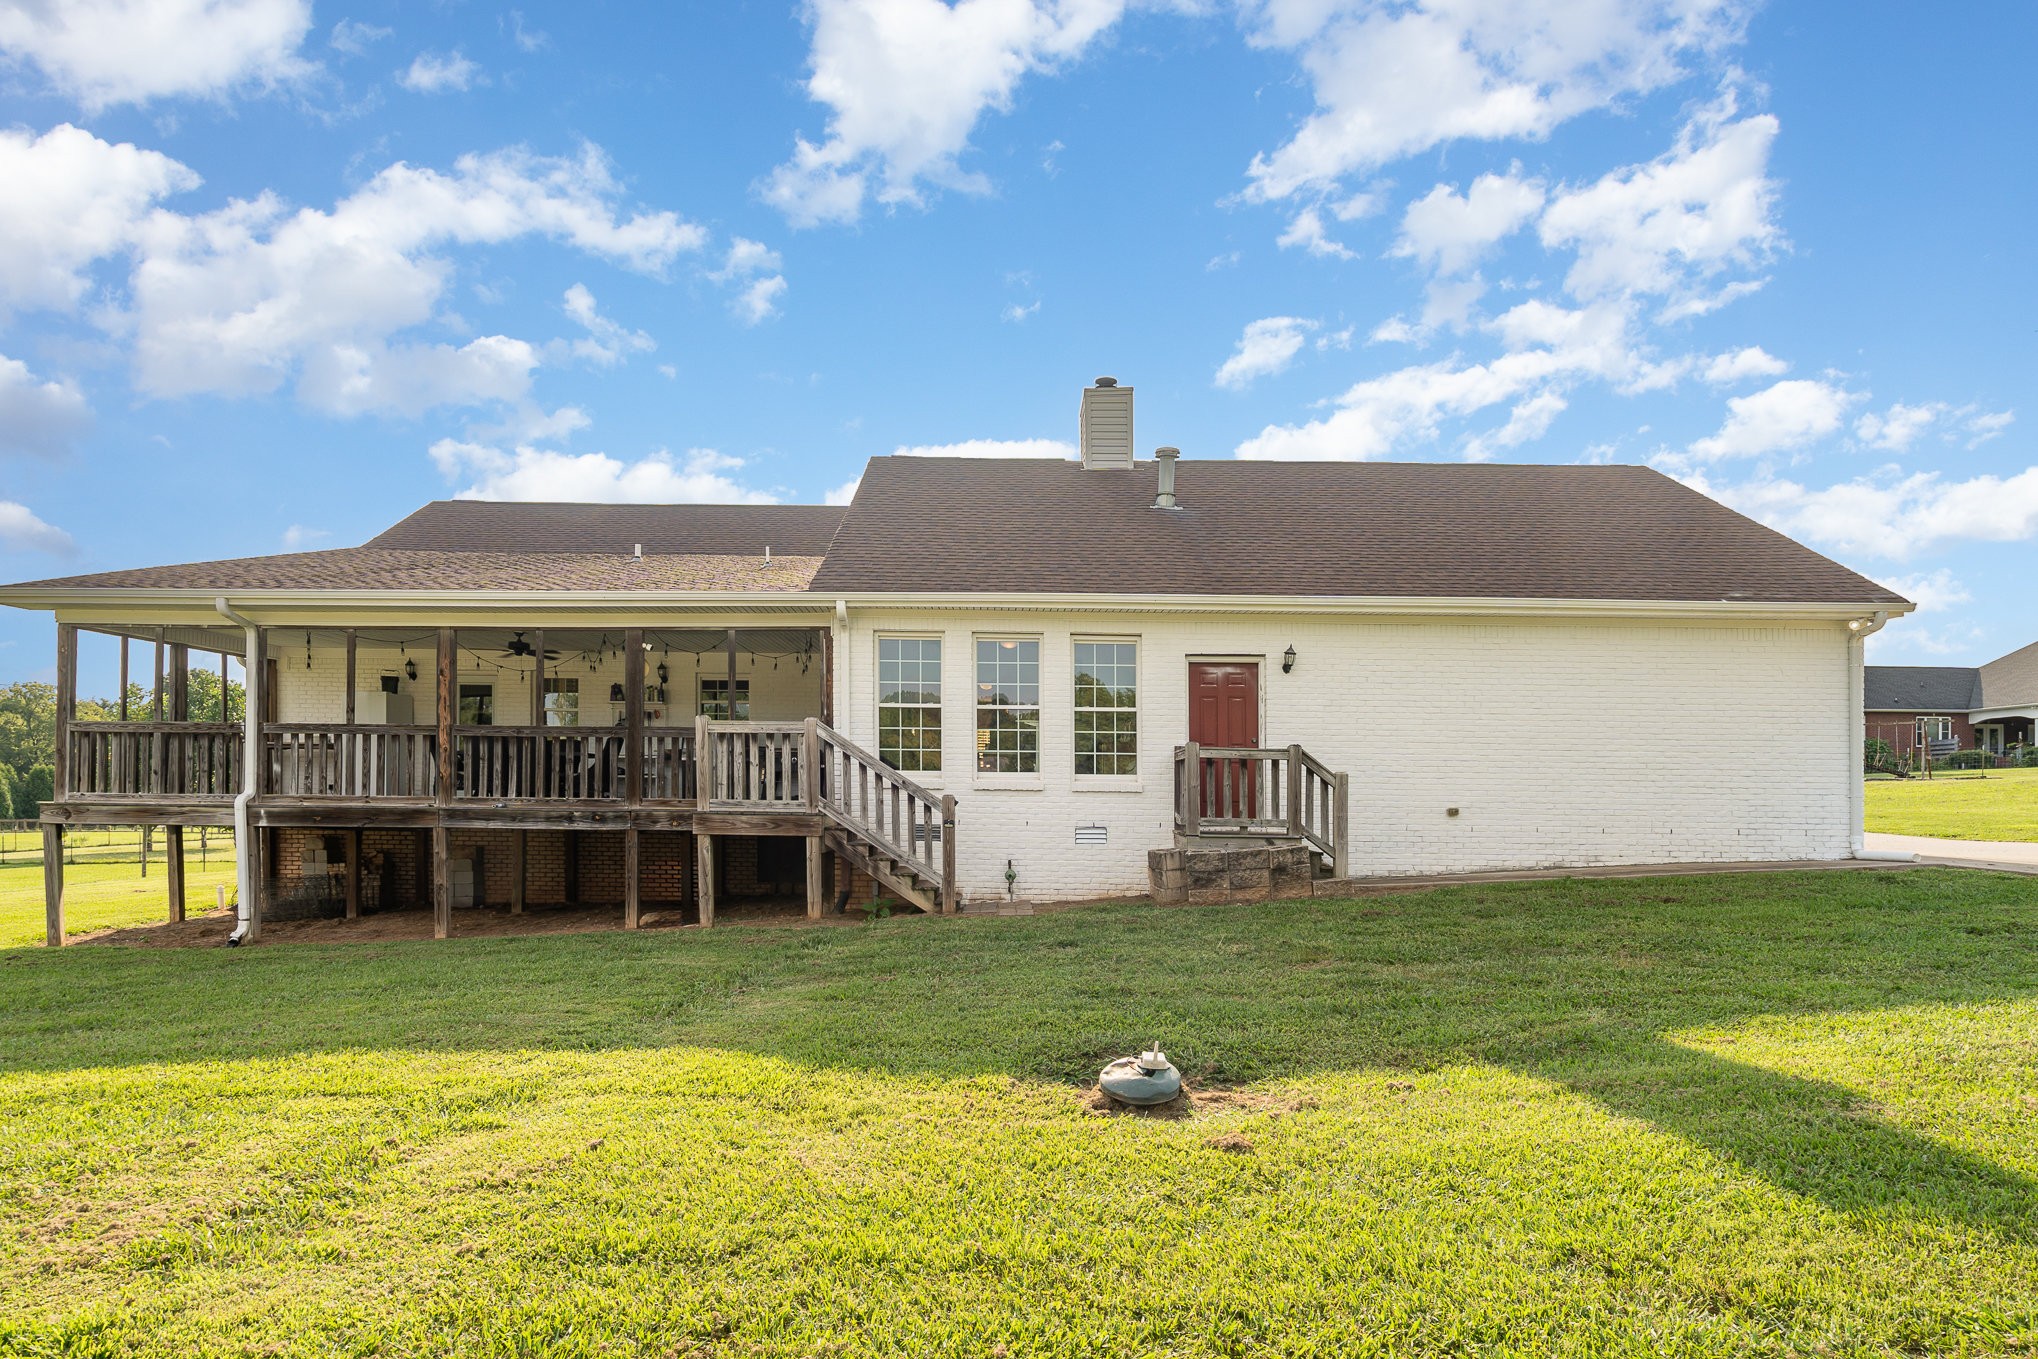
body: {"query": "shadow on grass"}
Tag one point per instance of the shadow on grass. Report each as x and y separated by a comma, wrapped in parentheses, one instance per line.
(1575, 983)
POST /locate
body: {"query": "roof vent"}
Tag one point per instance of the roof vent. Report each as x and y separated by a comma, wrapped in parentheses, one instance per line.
(1107, 426)
(1164, 462)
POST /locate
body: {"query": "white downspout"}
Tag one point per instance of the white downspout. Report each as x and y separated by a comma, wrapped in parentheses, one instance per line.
(251, 756)
(1859, 631)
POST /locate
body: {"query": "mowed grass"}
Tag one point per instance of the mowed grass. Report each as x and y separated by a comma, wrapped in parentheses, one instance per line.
(2003, 805)
(1788, 1114)
(102, 894)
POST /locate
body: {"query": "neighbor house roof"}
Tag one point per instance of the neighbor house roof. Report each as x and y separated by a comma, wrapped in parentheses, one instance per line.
(1333, 529)
(1920, 688)
(2011, 681)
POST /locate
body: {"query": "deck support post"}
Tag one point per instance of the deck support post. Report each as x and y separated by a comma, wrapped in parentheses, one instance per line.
(1192, 789)
(951, 890)
(448, 710)
(53, 883)
(632, 851)
(705, 844)
(173, 869)
(354, 871)
(352, 648)
(123, 709)
(817, 893)
(538, 680)
(442, 885)
(67, 706)
(570, 867)
(519, 849)
(1340, 865)
(633, 717)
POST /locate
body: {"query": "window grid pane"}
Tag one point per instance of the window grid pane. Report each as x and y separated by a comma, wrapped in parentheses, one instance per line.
(1107, 708)
(1008, 706)
(909, 703)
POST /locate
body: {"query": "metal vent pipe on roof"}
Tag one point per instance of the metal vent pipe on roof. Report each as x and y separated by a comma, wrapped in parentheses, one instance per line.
(1164, 462)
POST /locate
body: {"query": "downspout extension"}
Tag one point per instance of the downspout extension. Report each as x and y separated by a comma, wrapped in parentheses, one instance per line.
(251, 744)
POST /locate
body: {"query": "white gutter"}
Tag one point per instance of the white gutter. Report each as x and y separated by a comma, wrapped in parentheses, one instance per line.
(289, 608)
(251, 760)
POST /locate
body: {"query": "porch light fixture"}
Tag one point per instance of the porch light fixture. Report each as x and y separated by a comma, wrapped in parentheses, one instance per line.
(410, 668)
(616, 693)
(663, 673)
(1288, 660)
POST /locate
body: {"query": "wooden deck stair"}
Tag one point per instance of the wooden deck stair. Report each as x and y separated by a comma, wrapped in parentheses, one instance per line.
(1281, 793)
(876, 819)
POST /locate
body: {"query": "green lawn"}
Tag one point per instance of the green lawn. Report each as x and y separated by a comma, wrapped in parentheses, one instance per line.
(99, 896)
(1959, 806)
(1788, 1114)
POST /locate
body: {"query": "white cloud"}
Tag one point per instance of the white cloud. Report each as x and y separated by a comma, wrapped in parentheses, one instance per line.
(1306, 232)
(103, 52)
(1529, 420)
(71, 199)
(1670, 225)
(1982, 428)
(1265, 348)
(1889, 513)
(606, 342)
(37, 417)
(844, 493)
(354, 37)
(526, 473)
(238, 300)
(301, 538)
(989, 448)
(1449, 232)
(526, 39)
(1897, 428)
(1391, 81)
(747, 257)
(431, 73)
(1932, 591)
(759, 301)
(1549, 346)
(906, 82)
(1751, 362)
(21, 531)
(1787, 415)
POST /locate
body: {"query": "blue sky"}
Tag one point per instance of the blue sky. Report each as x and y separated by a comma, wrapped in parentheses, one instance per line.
(272, 273)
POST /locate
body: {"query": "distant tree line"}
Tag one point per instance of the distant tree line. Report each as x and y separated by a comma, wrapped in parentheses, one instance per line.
(28, 731)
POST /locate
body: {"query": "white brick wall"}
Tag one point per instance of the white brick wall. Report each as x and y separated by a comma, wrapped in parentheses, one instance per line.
(1562, 743)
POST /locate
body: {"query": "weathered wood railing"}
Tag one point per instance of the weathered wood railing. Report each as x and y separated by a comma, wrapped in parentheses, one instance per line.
(321, 760)
(752, 764)
(565, 764)
(153, 759)
(1255, 793)
(885, 810)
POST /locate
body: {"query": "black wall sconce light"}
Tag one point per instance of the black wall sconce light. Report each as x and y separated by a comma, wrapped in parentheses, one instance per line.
(410, 669)
(663, 673)
(1288, 660)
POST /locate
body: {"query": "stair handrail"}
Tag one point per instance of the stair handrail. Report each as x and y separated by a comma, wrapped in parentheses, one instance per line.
(835, 798)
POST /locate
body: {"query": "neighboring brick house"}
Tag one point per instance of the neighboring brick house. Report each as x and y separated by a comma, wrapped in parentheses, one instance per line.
(1001, 676)
(1990, 707)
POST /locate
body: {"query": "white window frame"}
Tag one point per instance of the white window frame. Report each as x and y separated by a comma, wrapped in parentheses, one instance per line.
(1036, 777)
(1111, 783)
(548, 711)
(926, 778)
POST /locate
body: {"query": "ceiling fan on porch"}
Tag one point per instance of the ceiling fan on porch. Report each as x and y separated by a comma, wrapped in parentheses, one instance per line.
(519, 647)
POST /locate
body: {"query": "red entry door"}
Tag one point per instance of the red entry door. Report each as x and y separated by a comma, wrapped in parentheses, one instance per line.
(1224, 710)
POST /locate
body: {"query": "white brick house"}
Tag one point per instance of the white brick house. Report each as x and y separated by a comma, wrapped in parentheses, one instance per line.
(986, 677)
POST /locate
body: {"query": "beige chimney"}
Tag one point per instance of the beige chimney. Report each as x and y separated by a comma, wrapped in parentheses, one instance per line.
(1107, 426)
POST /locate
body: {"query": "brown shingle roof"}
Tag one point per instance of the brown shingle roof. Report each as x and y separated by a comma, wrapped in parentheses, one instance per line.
(692, 530)
(373, 568)
(1317, 529)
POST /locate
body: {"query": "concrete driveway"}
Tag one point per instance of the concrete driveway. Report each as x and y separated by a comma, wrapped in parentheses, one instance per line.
(2008, 855)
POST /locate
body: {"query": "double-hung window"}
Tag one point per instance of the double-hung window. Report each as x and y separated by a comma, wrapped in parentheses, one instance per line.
(1107, 709)
(562, 701)
(714, 704)
(1008, 705)
(909, 703)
